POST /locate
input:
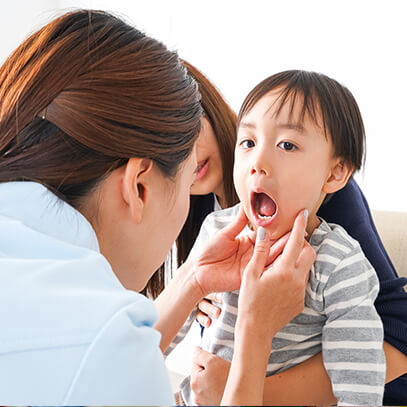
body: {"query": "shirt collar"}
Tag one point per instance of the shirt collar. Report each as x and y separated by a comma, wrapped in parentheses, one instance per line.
(37, 207)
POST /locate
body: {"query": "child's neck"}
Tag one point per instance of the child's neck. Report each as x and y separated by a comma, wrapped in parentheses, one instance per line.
(313, 223)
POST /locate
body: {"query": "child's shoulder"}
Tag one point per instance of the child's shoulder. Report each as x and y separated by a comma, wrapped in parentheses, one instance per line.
(333, 245)
(339, 258)
(333, 237)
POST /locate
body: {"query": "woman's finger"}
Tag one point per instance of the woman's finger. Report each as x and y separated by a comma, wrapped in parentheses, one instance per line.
(217, 297)
(305, 260)
(296, 240)
(277, 248)
(260, 254)
(209, 309)
(203, 319)
(238, 224)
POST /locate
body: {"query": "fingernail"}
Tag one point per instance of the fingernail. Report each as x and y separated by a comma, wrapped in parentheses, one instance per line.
(306, 213)
(261, 233)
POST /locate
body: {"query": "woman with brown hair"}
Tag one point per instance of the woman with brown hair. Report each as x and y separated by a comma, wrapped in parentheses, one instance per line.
(98, 124)
(213, 187)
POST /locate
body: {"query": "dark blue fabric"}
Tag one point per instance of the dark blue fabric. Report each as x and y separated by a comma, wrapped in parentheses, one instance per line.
(348, 208)
(207, 204)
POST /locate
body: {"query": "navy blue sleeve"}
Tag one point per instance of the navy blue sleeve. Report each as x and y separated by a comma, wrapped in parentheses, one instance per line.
(348, 208)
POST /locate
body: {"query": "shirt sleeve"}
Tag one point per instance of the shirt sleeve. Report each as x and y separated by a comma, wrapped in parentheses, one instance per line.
(352, 338)
(123, 365)
(203, 236)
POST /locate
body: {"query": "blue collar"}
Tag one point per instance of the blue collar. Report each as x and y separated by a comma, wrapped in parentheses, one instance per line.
(35, 206)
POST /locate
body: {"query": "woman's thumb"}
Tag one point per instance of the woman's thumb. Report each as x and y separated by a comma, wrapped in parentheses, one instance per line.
(260, 253)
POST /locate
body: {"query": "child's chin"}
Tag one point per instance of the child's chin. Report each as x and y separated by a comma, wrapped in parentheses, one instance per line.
(272, 232)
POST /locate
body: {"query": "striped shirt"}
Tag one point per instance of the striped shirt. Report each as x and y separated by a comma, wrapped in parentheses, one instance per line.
(339, 318)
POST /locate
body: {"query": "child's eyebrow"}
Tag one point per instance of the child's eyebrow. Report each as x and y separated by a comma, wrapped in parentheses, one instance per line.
(291, 126)
(246, 125)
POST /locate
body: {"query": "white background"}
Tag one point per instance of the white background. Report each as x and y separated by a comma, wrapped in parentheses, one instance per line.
(238, 43)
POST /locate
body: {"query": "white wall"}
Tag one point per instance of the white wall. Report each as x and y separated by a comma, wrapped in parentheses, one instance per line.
(19, 18)
(238, 43)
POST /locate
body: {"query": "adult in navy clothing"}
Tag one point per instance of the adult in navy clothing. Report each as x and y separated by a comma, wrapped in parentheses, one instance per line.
(347, 207)
(350, 209)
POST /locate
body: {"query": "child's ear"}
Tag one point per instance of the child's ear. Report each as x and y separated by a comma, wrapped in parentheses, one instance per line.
(338, 176)
(135, 186)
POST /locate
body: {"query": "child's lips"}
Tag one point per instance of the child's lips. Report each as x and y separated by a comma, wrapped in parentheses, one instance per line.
(263, 208)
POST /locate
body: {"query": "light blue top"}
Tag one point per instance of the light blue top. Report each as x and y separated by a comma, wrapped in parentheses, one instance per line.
(70, 333)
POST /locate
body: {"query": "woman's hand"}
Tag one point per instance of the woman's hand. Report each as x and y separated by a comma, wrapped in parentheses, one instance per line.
(208, 310)
(218, 267)
(209, 374)
(270, 296)
(220, 264)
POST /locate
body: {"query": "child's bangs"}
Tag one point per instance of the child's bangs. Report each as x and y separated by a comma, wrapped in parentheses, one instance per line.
(309, 105)
(294, 89)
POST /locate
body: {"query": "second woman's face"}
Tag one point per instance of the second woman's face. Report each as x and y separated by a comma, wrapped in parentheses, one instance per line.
(209, 174)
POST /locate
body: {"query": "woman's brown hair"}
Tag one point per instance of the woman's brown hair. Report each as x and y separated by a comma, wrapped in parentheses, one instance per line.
(83, 95)
(223, 121)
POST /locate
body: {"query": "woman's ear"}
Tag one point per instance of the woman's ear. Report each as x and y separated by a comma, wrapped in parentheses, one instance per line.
(338, 176)
(135, 186)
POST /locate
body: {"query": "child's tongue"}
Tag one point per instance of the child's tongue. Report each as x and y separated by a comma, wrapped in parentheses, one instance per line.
(267, 207)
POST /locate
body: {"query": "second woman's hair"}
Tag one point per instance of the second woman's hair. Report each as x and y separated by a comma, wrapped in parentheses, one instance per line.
(223, 121)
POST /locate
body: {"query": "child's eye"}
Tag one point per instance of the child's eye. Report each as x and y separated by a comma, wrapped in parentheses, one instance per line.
(247, 144)
(287, 146)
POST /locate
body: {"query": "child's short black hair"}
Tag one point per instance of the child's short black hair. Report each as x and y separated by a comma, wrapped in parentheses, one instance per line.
(321, 97)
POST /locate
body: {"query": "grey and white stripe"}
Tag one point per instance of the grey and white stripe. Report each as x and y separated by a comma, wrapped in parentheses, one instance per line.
(339, 318)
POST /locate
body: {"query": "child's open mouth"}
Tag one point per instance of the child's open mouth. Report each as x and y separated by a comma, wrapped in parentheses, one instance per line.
(263, 208)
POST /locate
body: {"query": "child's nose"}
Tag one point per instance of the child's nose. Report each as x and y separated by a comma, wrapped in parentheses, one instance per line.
(261, 164)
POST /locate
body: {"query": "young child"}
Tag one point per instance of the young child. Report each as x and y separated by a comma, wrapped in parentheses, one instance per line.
(300, 138)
